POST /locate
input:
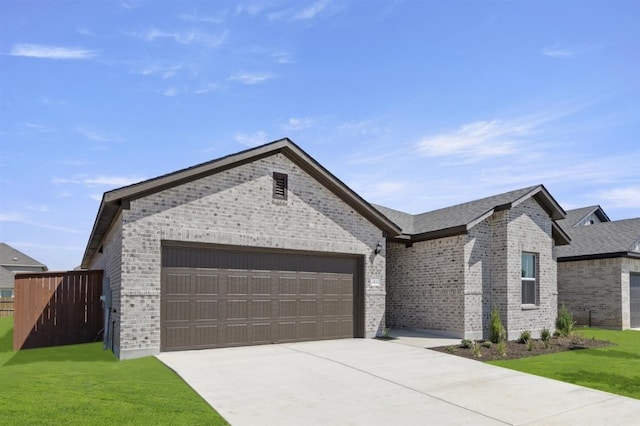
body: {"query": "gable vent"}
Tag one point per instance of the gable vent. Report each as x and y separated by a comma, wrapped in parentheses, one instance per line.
(280, 186)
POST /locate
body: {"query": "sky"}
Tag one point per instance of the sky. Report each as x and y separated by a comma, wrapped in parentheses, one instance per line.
(415, 105)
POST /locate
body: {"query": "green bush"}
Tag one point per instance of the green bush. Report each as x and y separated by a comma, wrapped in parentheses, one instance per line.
(531, 344)
(497, 332)
(545, 335)
(525, 336)
(564, 322)
(502, 348)
(476, 350)
(451, 349)
(466, 343)
(486, 343)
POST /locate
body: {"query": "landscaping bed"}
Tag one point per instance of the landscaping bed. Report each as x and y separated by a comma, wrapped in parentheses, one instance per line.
(514, 350)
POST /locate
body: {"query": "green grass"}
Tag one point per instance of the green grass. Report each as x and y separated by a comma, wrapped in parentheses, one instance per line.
(82, 384)
(614, 369)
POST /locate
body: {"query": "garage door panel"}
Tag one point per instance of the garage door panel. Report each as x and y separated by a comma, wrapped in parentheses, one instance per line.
(287, 308)
(237, 285)
(209, 308)
(260, 309)
(177, 310)
(237, 334)
(237, 309)
(207, 285)
(260, 285)
(206, 310)
(177, 284)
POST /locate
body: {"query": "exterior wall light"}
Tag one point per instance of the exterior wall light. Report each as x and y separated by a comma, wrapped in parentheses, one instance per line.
(378, 248)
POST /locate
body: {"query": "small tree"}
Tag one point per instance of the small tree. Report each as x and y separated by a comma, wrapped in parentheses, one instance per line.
(497, 332)
(564, 322)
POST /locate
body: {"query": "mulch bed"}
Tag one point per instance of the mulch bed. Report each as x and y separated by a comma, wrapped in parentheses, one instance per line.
(515, 350)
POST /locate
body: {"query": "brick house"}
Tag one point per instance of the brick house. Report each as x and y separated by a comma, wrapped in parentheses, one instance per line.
(12, 261)
(599, 273)
(261, 246)
(449, 267)
(266, 246)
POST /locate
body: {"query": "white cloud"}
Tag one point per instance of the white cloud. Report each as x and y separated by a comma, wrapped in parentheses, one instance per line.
(209, 87)
(253, 139)
(193, 17)
(476, 140)
(295, 124)
(51, 52)
(184, 37)
(163, 72)
(251, 78)
(38, 128)
(90, 182)
(85, 31)
(311, 11)
(96, 197)
(625, 197)
(97, 136)
(361, 128)
(557, 51)
(250, 8)
(282, 57)
(18, 218)
(170, 91)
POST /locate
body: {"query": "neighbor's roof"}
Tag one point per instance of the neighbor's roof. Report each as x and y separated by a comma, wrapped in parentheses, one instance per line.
(12, 257)
(113, 201)
(576, 215)
(602, 240)
(460, 218)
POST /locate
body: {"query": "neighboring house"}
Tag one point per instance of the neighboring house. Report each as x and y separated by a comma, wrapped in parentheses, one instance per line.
(12, 261)
(599, 273)
(257, 247)
(449, 267)
(267, 246)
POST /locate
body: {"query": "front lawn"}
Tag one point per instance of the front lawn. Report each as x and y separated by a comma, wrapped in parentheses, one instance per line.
(82, 384)
(614, 369)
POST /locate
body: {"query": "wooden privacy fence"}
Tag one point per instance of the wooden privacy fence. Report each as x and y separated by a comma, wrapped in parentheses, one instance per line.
(57, 308)
(6, 307)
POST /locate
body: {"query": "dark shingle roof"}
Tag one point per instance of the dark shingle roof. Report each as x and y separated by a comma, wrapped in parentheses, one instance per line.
(607, 239)
(576, 215)
(12, 257)
(459, 218)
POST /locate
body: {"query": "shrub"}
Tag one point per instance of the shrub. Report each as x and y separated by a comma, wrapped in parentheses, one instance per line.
(502, 348)
(451, 349)
(466, 343)
(486, 343)
(497, 332)
(476, 350)
(525, 336)
(531, 344)
(545, 335)
(564, 322)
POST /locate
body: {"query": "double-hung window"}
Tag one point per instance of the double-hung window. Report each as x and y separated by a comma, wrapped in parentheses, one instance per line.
(529, 279)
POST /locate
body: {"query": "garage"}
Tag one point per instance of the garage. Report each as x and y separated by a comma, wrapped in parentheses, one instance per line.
(215, 296)
(634, 284)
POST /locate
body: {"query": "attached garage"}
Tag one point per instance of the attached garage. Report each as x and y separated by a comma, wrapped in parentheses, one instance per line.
(634, 284)
(215, 297)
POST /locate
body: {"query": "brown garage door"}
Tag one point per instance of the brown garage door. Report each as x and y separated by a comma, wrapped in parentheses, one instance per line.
(634, 281)
(223, 297)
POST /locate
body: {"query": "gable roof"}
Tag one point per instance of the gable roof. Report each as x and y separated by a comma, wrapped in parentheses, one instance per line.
(460, 218)
(10, 256)
(113, 201)
(602, 240)
(576, 215)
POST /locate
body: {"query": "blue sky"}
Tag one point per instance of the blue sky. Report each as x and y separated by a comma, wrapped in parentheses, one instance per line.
(415, 105)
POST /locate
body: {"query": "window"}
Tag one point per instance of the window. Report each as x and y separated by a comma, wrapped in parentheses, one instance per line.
(6, 293)
(529, 279)
(279, 186)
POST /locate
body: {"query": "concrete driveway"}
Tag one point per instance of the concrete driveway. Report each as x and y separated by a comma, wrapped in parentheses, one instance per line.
(371, 382)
